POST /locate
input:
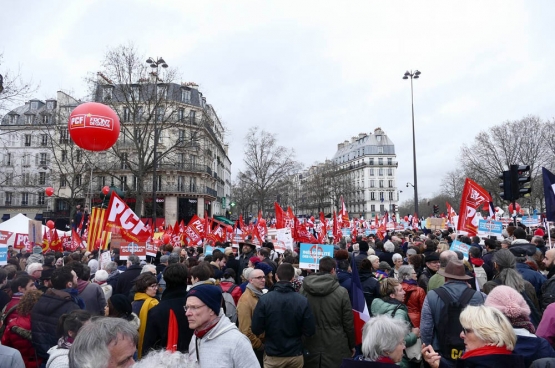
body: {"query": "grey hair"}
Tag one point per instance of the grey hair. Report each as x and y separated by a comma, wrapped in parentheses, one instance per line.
(381, 335)
(110, 267)
(164, 359)
(164, 259)
(133, 259)
(396, 256)
(90, 348)
(506, 266)
(405, 272)
(149, 268)
(446, 256)
(389, 246)
(33, 267)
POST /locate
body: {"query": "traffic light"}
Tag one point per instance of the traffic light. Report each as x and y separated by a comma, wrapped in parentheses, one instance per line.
(520, 176)
(436, 209)
(394, 208)
(506, 185)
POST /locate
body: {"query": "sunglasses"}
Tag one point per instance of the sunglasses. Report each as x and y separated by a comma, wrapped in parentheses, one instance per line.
(466, 331)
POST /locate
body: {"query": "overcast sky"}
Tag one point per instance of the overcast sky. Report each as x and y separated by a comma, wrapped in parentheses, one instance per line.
(315, 73)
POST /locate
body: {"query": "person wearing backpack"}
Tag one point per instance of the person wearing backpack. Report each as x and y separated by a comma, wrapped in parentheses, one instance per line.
(439, 324)
(284, 316)
(227, 284)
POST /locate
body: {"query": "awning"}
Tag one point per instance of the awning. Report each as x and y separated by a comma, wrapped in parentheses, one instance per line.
(6, 217)
(39, 217)
(225, 220)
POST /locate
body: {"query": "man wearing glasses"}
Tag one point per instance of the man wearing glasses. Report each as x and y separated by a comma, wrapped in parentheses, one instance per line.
(245, 310)
(217, 343)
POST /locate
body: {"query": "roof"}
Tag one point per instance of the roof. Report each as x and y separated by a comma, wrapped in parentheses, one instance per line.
(366, 144)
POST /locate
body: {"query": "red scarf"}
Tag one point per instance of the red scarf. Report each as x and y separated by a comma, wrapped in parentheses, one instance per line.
(385, 359)
(487, 350)
(200, 333)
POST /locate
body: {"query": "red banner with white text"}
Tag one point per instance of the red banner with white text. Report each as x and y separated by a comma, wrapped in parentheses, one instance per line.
(473, 198)
(122, 219)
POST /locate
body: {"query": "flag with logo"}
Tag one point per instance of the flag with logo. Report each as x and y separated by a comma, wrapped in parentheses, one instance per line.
(120, 218)
(473, 198)
(195, 230)
(549, 193)
(450, 212)
(343, 215)
(361, 315)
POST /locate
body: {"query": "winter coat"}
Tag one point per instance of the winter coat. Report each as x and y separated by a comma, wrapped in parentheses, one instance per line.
(359, 258)
(243, 263)
(245, 310)
(234, 265)
(534, 277)
(546, 328)
(414, 300)
(59, 358)
(370, 286)
(126, 280)
(107, 290)
(544, 363)
(284, 316)
(113, 280)
(235, 293)
(156, 333)
(224, 346)
(387, 306)
(346, 280)
(532, 347)
(10, 358)
(433, 305)
(425, 277)
(14, 340)
(488, 361)
(331, 307)
(351, 363)
(93, 296)
(44, 319)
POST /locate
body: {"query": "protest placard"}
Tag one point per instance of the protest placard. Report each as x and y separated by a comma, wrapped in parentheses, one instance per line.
(312, 253)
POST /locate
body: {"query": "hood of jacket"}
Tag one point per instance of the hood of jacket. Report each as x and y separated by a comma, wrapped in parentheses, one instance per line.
(224, 325)
(283, 287)
(323, 284)
(58, 356)
(343, 275)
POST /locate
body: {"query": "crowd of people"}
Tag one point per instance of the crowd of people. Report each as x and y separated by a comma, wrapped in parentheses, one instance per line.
(250, 306)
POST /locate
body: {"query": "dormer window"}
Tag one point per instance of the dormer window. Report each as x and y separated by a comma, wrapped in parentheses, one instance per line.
(379, 138)
(161, 91)
(29, 119)
(107, 93)
(14, 119)
(34, 105)
(185, 96)
(50, 105)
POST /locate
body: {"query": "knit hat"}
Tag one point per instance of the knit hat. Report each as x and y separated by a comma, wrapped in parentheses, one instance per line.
(208, 294)
(101, 276)
(434, 256)
(46, 274)
(384, 266)
(539, 232)
(266, 268)
(512, 305)
(37, 249)
(93, 265)
(254, 260)
(121, 304)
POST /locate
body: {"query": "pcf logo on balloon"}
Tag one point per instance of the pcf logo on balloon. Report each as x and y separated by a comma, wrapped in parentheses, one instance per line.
(94, 126)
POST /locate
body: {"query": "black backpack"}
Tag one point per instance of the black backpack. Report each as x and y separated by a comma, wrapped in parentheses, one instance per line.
(449, 327)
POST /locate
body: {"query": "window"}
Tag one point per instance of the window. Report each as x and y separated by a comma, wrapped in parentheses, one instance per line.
(123, 164)
(390, 196)
(138, 113)
(44, 139)
(389, 161)
(42, 178)
(135, 182)
(390, 172)
(42, 159)
(380, 172)
(24, 199)
(9, 197)
(373, 207)
(390, 183)
(123, 181)
(41, 199)
(372, 184)
(192, 184)
(34, 105)
(8, 159)
(107, 93)
(371, 172)
(78, 180)
(373, 196)
(159, 182)
(192, 117)
(64, 136)
(381, 183)
(161, 91)
(50, 105)
(380, 161)
(27, 140)
(63, 180)
(181, 114)
(9, 179)
(78, 155)
(25, 179)
(13, 119)
(62, 206)
(46, 119)
(64, 156)
(380, 150)
(126, 114)
(135, 93)
(180, 183)
(29, 119)
(181, 138)
(382, 208)
(371, 161)
(159, 113)
(185, 96)
(101, 180)
(381, 196)
(193, 160)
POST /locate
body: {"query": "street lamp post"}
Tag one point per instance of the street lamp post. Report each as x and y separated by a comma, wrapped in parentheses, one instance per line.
(155, 64)
(412, 76)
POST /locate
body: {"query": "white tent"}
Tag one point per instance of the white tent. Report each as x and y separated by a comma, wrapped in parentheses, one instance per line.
(19, 224)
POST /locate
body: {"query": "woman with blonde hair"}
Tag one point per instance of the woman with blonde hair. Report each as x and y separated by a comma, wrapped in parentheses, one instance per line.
(489, 341)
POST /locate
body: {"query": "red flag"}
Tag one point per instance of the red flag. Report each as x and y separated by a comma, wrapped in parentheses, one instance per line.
(46, 239)
(55, 243)
(122, 218)
(261, 228)
(337, 234)
(322, 234)
(195, 230)
(450, 212)
(302, 235)
(343, 215)
(76, 241)
(473, 197)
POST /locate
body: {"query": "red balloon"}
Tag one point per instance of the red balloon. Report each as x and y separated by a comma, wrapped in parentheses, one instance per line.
(167, 238)
(50, 224)
(406, 219)
(511, 208)
(94, 126)
(105, 190)
(49, 191)
(160, 228)
(229, 228)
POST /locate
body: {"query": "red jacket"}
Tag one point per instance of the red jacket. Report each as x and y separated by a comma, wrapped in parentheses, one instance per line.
(20, 343)
(236, 293)
(414, 300)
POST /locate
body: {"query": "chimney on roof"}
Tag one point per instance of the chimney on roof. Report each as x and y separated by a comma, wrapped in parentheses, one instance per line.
(340, 146)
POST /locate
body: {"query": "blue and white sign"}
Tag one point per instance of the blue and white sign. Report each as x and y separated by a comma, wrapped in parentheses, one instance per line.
(311, 254)
(490, 227)
(210, 249)
(530, 220)
(346, 231)
(3, 255)
(460, 246)
(369, 231)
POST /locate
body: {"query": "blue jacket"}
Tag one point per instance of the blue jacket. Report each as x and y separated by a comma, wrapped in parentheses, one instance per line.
(345, 279)
(533, 277)
(532, 348)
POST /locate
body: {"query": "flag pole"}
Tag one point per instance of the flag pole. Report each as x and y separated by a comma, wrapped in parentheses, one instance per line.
(548, 232)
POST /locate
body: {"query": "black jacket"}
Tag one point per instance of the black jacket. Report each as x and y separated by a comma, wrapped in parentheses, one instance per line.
(370, 286)
(284, 315)
(125, 280)
(156, 333)
(234, 265)
(44, 319)
(485, 361)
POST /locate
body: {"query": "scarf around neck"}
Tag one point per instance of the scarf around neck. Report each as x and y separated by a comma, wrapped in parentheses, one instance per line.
(256, 292)
(487, 350)
(149, 303)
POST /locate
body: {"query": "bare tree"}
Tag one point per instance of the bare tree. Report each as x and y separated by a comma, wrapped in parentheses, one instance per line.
(15, 89)
(452, 185)
(268, 166)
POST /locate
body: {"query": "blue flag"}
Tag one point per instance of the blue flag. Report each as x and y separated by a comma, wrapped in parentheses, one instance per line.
(549, 193)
